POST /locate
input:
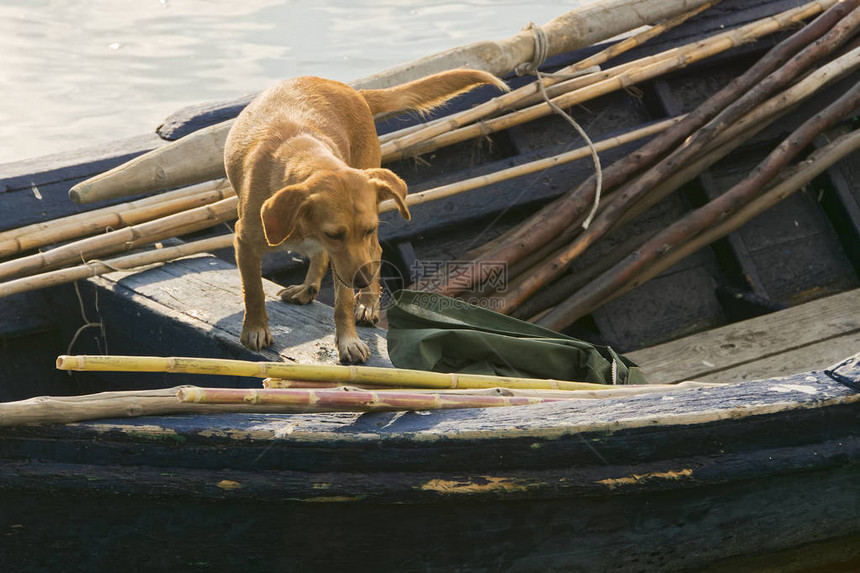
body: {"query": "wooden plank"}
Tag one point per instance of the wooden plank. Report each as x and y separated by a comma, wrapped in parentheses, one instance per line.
(751, 340)
(205, 291)
(816, 356)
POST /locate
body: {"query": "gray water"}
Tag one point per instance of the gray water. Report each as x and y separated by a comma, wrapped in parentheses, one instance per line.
(82, 73)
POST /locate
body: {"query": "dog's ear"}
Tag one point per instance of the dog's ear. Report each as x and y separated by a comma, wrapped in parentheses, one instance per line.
(281, 212)
(390, 186)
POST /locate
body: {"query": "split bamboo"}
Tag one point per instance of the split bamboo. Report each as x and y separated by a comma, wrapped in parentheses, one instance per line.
(123, 239)
(199, 155)
(115, 217)
(313, 372)
(700, 219)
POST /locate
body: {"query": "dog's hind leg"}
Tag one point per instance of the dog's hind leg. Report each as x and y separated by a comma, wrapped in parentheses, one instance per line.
(308, 290)
(255, 326)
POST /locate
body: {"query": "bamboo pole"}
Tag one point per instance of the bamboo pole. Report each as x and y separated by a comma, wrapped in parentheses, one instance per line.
(123, 239)
(700, 219)
(313, 372)
(795, 179)
(526, 168)
(116, 217)
(127, 263)
(609, 392)
(123, 404)
(606, 220)
(629, 74)
(550, 221)
(353, 400)
(508, 100)
(199, 155)
(85, 216)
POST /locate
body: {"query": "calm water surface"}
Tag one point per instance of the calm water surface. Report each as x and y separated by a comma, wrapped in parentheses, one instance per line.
(81, 73)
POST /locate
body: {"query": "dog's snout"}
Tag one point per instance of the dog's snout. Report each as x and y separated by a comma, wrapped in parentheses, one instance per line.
(363, 277)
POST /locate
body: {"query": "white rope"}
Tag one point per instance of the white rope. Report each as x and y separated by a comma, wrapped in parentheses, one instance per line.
(540, 54)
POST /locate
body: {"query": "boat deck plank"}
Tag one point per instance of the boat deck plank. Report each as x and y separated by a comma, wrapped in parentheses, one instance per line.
(809, 334)
(205, 291)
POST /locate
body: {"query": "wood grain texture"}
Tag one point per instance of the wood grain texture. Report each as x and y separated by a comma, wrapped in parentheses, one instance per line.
(736, 348)
(205, 292)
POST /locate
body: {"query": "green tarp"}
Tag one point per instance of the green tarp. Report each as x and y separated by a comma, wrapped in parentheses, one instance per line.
(432, 332)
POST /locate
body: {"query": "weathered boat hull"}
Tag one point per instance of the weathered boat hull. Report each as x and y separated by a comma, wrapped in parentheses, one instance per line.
(652, 483)
(696, 479)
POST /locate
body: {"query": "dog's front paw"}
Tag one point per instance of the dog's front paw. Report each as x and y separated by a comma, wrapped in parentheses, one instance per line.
(352, 349)
(299, 294)
(256, 337)
(366, 315)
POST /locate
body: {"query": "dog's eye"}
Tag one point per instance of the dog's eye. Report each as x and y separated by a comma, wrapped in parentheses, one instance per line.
(369, 232)
(335, 236)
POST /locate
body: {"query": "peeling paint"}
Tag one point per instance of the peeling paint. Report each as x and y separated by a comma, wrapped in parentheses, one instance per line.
(634, 479)
(228, 485)
(477, 484)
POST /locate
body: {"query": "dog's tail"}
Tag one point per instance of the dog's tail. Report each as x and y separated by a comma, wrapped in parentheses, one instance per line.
(425, 94)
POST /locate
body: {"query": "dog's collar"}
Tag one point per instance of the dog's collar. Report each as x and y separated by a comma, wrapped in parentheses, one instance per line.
(337, 276)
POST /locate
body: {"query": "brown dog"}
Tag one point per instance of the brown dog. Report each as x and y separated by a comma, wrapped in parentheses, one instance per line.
(304, 159)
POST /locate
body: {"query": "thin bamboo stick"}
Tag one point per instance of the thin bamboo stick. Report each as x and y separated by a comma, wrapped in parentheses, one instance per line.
(511, 99)
(123, 239)
(630, 74)
(794, 180)
(127, 263)
(313, 372)
(611, 392)
(549, 222)
(526, 168)
(700, 219)
(117, 217)
(129, 205)
(354, 400)
(633, 192)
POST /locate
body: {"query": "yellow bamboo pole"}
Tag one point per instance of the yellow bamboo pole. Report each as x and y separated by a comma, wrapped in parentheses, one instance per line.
(526, 168)
(631, 74)
(354, 400)
(560, 79)
(85, 216)
(314, 372)
(123, 239)
(119, 264)
(115, 217)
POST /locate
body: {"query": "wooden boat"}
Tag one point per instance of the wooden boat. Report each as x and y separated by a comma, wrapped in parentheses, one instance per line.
(759, 474)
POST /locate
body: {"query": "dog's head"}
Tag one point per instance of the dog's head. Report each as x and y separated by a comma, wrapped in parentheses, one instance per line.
(340, 210)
